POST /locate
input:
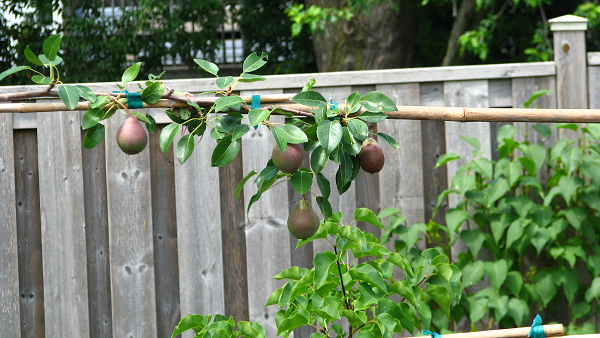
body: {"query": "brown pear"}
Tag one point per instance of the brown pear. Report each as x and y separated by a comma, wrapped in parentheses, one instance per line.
(290, 160)
(131, 136)
(371, 156)
(303, 222)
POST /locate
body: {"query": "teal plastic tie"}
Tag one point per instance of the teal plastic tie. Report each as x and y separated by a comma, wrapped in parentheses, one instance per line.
(537, 329)
(333, 105)
(433, 334)
(134, 100)
(255, 102)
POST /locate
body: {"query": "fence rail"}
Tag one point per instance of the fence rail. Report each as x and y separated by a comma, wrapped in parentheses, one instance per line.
(96, 243)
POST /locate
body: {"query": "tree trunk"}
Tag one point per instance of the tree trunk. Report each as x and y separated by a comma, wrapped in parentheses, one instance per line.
(380, 39)
(467, 18)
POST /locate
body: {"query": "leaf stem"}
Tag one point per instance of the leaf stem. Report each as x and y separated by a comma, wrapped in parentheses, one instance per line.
(337, 262)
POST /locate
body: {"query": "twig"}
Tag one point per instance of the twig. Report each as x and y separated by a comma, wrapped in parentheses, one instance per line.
(341, 279)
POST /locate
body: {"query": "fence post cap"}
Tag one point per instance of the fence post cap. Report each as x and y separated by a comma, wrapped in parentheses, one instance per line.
(568, 23)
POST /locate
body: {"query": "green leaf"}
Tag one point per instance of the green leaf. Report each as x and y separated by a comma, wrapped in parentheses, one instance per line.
(207, 66)
(329, 134)
(350, 144)
(496, 271)
(12, 71)
(225, 102)
(318, 159)
(239, 131)
(594, 290)
(372, 117)
(472, 273)
(389, 140)
(571, 157)
(251, 78)
(516, 230)
(472, 141)
(358, 129)
(445, 159)
(93, 136)
(455, 217)
(321, 262)
(324, 206)
(518, 309)
(497, 189)
(153, 92)
(51, 46)
(345, 169)
(185, 147)
(250, 329)
(308, 86)
(43, 80)
(131, 73)
(310, 98)
(302, 180)
(31, 57)
(274, 297)
(187, 323)
(167, 135)
(545, 287)
(441, 296)
(542, 129)
(86, 93)
(377, 102)
(254, 62)
(294, 134)
(366, 215)
(256, 116)
(91, 117)
(225, 151)
(69, 95)
(290, 273)
(514, 282)
(280, 138)
(240, 185)
(141, 117)
(223, 82)
(473, 239)
(324, 185)
(534, 96)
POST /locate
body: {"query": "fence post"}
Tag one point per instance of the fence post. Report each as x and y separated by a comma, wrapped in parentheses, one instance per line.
(570, 58)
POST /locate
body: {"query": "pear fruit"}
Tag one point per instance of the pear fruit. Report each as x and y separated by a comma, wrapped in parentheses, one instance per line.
(371, 156)
(303, 222)
(131, 136)
(290, 160)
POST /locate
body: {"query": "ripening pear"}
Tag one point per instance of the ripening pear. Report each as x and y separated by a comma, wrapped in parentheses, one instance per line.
(131, 136)
(290, 160)
(371, 156)
(303, 222)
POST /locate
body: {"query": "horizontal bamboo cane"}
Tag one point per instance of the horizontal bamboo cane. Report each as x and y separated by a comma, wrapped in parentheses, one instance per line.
(404, 112)
(551, 330)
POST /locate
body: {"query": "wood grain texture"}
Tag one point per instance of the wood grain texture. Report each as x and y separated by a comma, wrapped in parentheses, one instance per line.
(97, 240)
(233, 221)
(594, 86)
(29, 236)
(199, 241)
(433, 145)
(267, 235)
(63, 225)
(401, 180)
(9, 274)
(130, 234)
(164, 222)
(500, 92)
(571, 72)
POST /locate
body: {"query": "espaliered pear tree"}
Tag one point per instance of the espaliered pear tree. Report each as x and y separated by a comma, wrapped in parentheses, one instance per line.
(337, 288)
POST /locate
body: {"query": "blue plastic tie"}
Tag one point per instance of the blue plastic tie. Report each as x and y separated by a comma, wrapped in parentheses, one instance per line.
(433, 334)
(537, 330)
(134, 100)
(333, 105)
(255, 102)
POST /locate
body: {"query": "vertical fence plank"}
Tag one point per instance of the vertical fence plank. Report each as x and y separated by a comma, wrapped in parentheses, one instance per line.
(130, 233)
(433, 145)
(63, 225)
(233, 236)
(96, 230)
(199, 239)
(164, 222)
(9, 274)
(267, 236)
(29, 236)
(402, 176)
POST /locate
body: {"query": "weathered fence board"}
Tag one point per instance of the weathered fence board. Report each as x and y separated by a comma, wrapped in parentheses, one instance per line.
(29, 236)
(63, 225)
(9, 274)
(130, 232)
(97, 244)
(199, 240)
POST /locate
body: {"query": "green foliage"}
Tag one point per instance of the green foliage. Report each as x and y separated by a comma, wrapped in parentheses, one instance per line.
(539, 237)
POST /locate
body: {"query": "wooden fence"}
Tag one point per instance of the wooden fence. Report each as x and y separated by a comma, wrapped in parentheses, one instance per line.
(95, 243)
